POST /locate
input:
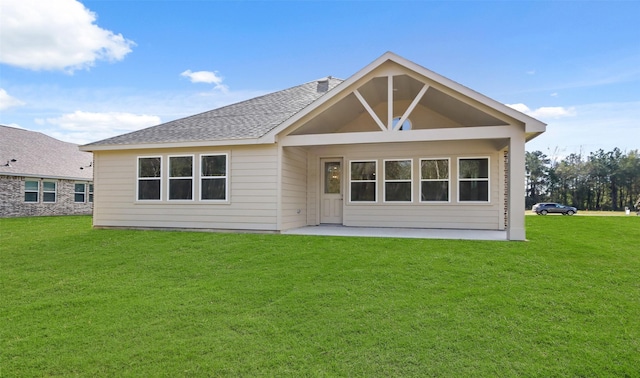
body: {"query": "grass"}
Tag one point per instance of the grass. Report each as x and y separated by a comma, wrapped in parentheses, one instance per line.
(595, 213)
(81, 302)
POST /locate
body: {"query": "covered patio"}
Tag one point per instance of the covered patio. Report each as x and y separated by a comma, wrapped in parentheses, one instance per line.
(388, 232)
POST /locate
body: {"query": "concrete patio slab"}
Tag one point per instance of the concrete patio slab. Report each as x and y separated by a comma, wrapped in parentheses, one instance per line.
(380, 232)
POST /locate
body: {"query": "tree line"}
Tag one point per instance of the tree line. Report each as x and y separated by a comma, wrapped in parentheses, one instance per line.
(598, 181)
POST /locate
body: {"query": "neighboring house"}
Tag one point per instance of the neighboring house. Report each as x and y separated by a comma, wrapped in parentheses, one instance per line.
(395, 145)
(40, 175)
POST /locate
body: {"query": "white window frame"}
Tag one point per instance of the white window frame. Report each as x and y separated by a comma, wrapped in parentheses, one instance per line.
(169, 178)
(138, 178)
(448, 180)
(487, 179)
(37, 191)
(54, 191)
(225, 177)
(84, 192)
(375, 181)
(385, 181)
(90, 192)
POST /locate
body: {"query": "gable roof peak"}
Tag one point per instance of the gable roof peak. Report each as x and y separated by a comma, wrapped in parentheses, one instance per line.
(532, 125)
(460, 88)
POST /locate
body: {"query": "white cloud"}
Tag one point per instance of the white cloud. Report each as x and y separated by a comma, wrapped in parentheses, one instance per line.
(522, 108)
(84, 127)
(202, 77)
(595, 126)
(49, 106)
(55, 35)
(6, 101)
(553, 112)
(545, 112)
(207, 77)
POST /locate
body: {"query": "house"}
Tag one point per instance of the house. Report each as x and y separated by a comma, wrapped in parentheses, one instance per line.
(395, 145)
(40, 175)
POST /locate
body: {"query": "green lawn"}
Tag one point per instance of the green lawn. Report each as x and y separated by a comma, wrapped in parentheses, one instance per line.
(81, 302)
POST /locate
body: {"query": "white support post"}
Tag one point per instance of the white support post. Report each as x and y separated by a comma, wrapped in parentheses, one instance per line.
(371, 112)
(389, 102)
(516, 208)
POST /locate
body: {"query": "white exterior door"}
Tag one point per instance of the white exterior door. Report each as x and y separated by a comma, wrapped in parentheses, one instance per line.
(331, 192)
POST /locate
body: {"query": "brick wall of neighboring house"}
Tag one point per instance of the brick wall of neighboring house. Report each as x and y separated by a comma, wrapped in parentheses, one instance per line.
(12, 199)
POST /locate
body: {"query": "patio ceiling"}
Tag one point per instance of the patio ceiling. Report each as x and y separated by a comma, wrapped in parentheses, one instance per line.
(451, 111)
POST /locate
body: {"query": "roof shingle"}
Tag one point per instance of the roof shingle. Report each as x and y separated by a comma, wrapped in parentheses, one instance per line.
(39, 155)
(248, 119)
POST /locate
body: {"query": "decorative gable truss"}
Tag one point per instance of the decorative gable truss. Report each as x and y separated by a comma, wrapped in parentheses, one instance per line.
(391, 96)
(391, 125)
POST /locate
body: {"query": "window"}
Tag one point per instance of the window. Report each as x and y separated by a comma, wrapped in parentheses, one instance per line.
(332, 177)
(149, 178)
(406, 125)
(31, 191)
(362, 180)
(473, 179)
(79, 194)
(90, 192)
(48, 191)
(434, 180)
(181, 177)
(397, 180)
(213, 177)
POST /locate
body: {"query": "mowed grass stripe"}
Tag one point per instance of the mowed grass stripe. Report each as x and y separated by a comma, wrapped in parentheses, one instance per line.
(78, 301)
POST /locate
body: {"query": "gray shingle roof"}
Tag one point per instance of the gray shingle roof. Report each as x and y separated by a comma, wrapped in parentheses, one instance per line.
(244, 120)
(39, 155)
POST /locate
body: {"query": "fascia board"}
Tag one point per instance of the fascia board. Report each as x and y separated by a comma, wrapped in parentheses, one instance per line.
(427, 135)
(148, 146)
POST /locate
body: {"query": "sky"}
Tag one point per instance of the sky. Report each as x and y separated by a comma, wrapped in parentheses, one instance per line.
(82, 71)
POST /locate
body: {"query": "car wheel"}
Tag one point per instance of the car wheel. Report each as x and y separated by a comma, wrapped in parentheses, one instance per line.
(570, 212)
(543, 212)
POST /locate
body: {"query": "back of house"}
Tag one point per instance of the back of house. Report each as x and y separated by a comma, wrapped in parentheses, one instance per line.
(394, 145)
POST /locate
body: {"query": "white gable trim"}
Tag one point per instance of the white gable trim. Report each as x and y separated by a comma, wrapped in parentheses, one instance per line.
(531, 125)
